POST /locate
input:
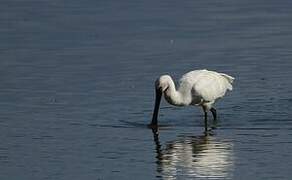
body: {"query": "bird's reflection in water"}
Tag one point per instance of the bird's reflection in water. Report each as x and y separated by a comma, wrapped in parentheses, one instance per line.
(199, 157)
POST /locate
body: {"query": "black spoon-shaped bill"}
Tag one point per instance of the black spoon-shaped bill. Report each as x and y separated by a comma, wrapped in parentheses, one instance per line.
(156, 107)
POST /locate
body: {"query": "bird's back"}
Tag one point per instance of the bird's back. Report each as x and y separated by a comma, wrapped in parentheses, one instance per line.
(205, 85)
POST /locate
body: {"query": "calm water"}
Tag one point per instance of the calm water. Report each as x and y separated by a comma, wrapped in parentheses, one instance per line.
(76, 89)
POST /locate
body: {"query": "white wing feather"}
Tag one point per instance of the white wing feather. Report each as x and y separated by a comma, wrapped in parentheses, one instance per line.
(207, 86)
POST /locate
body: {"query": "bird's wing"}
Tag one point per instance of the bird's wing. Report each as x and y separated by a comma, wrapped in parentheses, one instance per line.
(205, 85)
(212, 85)
(203, 90)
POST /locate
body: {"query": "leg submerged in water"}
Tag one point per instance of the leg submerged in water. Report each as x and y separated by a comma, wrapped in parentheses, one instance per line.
(214, 113)
(206, 118)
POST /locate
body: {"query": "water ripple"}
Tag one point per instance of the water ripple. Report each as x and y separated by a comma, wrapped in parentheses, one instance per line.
(194, 157)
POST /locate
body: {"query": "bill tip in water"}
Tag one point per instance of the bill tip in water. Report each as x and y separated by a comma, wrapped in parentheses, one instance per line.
(152, 126)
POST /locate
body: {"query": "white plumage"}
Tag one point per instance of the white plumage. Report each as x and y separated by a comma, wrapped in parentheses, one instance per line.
(198, 87)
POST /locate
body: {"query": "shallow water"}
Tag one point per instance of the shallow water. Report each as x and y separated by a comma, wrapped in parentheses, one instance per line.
(76, 89)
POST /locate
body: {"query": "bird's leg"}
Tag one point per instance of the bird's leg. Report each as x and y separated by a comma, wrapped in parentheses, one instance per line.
(206, 118)
(213, 111)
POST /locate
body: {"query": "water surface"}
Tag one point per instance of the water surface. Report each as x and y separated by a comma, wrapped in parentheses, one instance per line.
(76, 89)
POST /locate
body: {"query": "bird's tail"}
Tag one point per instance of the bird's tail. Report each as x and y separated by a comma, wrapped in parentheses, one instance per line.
(230, 79)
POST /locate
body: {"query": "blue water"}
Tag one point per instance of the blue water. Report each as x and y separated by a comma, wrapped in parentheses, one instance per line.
(77, 89)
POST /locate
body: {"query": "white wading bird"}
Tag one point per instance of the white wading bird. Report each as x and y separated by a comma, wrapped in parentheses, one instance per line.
(199, 87)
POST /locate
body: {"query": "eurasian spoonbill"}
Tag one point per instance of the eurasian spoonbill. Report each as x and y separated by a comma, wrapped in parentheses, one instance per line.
(198, 87)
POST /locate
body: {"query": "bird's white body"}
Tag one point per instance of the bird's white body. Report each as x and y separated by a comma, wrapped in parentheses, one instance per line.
(199, 87)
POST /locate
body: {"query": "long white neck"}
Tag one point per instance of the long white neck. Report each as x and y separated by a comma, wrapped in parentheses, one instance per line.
(173, 96)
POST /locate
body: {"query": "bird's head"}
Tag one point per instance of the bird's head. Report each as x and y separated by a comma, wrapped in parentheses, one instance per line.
(162, 83)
